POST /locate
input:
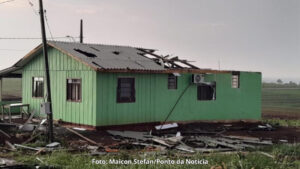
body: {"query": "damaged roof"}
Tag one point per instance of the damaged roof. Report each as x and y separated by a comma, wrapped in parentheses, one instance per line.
(108, 56)
(111, 58)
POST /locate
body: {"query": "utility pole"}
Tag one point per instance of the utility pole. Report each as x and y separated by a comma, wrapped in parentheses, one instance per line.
(81, 32)
(49, 114)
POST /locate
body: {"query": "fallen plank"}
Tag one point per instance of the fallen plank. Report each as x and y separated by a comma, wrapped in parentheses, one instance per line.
(241, 137)
(31, 138)
(26, 147)
(9, 124)
(265, 142)
(214, 141)
(174, 140)
(252, 140)
(85, 138)
(130, 134)
(53, 145)
(149, 145)
(7, 163)
(266, 154)
(39, 151)
(27, 127)
(166, 126)
(1, 131)
(231, 141)
(109, 150)
(162, 142)
(212, 150)
(30, 117)
(184, 147)
(12, 147)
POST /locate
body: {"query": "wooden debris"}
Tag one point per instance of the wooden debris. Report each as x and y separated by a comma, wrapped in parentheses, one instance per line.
(162, 142)
(85, 138)
(211, 150)
(214, 141)
(31, 138)
(53, 145)
(184, 147)
(130, 134)
(7, 135)
(266, 154)
(40, 151)
(166, 126)
(12, 147)
(30, 117)
(107, 149)
(26, 147)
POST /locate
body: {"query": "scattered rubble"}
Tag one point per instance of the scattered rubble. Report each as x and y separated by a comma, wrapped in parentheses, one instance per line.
(166, 126)
(183, 138)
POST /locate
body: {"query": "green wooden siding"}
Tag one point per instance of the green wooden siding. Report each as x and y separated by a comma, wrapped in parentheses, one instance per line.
(63, 67)
(154, 100)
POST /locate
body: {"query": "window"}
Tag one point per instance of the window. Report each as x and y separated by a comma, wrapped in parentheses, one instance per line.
(74, 90)
(235, 80)
(37, 87)
(206, 92)
(172, 81)
(125, 90)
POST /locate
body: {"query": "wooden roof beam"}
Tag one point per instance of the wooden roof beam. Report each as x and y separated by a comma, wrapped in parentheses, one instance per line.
(159, 57)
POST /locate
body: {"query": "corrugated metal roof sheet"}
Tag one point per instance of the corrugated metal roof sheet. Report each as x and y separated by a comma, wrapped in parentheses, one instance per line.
(11, 72)
(108, 56)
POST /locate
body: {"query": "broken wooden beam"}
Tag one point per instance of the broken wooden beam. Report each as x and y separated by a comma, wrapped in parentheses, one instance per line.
(12, 147)
(85, 138)
(31, 138)
(215, 141)
(4, 133)
(26, 147)
(130, 134)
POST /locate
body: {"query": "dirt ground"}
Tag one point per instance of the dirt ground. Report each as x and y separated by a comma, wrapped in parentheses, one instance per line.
(249, 129)
(291, 134)
(269, 114)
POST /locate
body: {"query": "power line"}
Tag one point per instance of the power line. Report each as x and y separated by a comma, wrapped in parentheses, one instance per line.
(45, 15)
(6, 1)
(48, 25)
(12, 50)
(32, 38)
(31, 5)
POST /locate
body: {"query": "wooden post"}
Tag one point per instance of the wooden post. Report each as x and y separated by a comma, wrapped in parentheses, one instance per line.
(81, 31)
(0, 89)
(1, 110)
(50, 114)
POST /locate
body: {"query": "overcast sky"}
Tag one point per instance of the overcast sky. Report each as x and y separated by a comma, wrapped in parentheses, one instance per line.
(254, 35)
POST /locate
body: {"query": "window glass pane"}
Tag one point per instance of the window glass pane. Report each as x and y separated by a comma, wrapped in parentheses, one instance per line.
(74, 89)
(206, 92)
(172, 82)
(37, 87)
(235, 80)
(125, 90)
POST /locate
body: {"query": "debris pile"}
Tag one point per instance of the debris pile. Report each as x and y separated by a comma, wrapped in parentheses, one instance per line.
(31, 135)
(190, 142)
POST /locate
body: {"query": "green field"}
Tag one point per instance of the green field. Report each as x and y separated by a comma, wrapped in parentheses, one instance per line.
(12, 88)
(281, 101)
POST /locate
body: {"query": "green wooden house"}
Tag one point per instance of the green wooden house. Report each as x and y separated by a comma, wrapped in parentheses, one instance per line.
(103, 85)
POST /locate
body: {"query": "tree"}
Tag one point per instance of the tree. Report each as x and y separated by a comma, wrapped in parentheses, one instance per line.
(279, 81)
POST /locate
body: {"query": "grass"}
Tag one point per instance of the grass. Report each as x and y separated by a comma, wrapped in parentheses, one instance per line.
(12, 86)
(282, 122)
(285, 156)
(281, 100)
